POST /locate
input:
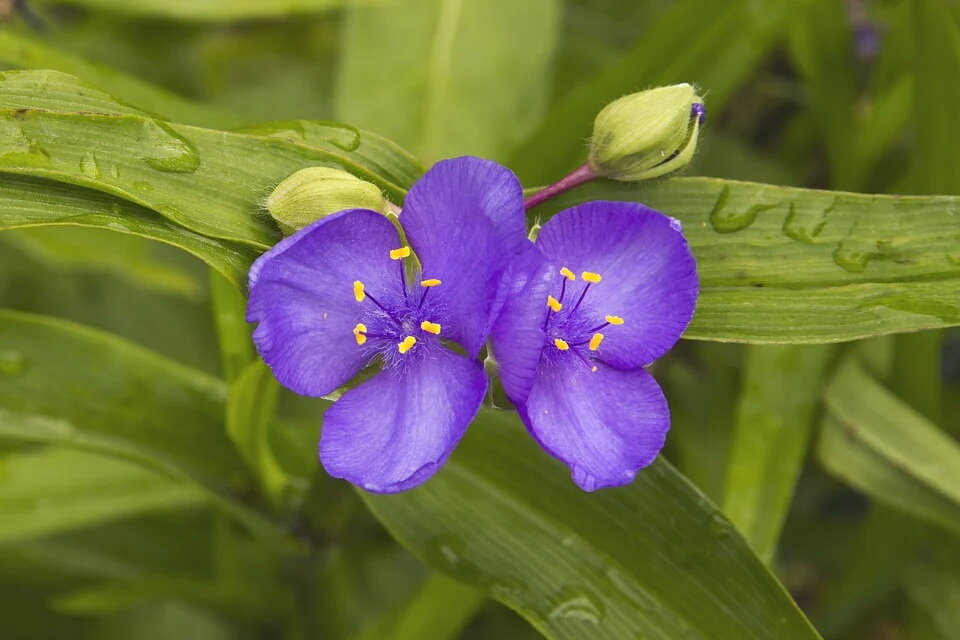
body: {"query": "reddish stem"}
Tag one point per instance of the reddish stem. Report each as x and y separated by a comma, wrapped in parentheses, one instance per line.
(577, 177)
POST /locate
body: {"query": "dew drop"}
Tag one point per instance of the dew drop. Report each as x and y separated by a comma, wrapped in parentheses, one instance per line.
(140, 185)
(853, 257)
(576, 603)
(805, 226)
(89, 166)
(12, 363)
(170, 152)
(724, 220)
(18, 150)
(446, 551)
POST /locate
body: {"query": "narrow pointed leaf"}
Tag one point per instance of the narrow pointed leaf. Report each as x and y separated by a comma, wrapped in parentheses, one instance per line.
(774, 421)
(436, 94)
(654, 560)
(58, 490)
(875, 442)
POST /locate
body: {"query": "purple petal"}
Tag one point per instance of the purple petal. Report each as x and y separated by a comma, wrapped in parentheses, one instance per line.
(301, 294)
(397, 429)
(649, 274)
(604, 425)
(465, 220)
(518, 337)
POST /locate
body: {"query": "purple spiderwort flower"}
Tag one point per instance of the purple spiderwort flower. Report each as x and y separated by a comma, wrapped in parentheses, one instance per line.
(608, 288)
(334, 296)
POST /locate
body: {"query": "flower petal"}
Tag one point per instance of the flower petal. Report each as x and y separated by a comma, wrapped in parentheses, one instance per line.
(604, 425)
(301, 294)
(397, 429)
(465, 220)
(518, 337)
(649, 274)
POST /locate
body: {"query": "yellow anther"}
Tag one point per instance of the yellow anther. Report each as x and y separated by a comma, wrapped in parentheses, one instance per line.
(595, 341)
(398, 254)
(614, 319)
(554, 304)
(430, 282)
(358, 332)
(430, 327)
(591, 277)
(358, 291)
(406, 344)
(561, 344)
(566, 273)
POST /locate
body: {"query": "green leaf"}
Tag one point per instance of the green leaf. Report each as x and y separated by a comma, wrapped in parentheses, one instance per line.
(27, 53)
(935, 590)
(129, 257)
(208, 181)
(65, 384)
(439, 610)
(876, 443)
(787, 265)
(652, 560)
(233, 332)
(936, 91)
(250, 415)
(469, 77)
(55, 490)
(35, 202)
(209, 9)
(774, 420)
(715, 45)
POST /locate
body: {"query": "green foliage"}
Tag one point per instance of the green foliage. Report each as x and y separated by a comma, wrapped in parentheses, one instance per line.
(636, 561)
(144, 496)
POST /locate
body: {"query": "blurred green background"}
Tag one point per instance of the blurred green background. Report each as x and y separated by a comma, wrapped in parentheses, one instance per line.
(847, 95)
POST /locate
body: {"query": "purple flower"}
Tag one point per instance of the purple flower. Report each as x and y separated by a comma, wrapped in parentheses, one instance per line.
(335, 297)
(607, 289)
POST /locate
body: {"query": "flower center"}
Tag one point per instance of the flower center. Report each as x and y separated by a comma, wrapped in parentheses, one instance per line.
(572, 327)
(395, 324)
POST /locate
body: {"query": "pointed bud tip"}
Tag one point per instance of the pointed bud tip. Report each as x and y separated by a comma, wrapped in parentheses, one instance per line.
(647, 134)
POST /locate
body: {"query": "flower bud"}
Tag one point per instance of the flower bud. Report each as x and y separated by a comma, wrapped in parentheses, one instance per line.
(647, 134)
(315, 192)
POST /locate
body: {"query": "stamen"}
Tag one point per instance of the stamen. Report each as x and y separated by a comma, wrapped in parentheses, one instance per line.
(566, 273)
(561, 344)
(594, 368)
(614, 319)
(595, 341)
(399, 254)
(554, 304)
(591, 277)
(358, 292)
(358, 333)
(406, 344)
(583, 294)
(430, 327)
(430, 282)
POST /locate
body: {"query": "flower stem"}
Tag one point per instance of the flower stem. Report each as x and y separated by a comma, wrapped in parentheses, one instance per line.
(578, 176)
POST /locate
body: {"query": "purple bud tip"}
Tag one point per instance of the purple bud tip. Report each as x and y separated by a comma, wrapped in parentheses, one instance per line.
(697, 110)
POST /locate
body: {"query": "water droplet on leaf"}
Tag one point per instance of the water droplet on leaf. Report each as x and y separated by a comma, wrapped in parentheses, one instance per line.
(12, 363)
(577, 603)
(170, 151)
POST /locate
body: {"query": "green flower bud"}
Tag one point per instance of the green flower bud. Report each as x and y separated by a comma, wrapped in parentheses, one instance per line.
(647, 134)
(315, 192)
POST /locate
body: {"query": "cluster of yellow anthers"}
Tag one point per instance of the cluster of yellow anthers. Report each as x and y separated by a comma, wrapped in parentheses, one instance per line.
(360, 294)
(556, 305)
